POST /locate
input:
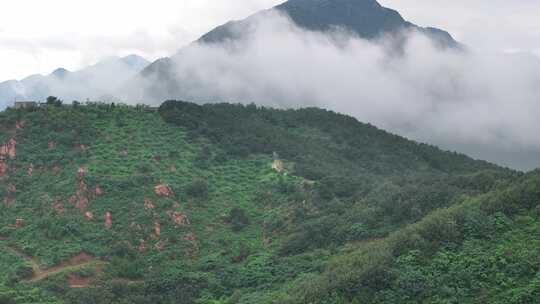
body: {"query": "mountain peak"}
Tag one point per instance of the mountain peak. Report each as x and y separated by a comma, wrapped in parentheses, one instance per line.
(135, 61)
(344, 3)
(60, 73)
(366, 18)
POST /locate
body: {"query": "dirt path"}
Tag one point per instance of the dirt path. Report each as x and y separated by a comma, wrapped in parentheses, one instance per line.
(72, 264)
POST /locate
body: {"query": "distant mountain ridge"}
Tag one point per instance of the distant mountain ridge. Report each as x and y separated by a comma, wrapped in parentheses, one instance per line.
(90, 82)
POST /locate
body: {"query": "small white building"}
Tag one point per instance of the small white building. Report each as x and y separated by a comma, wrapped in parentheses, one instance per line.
(25, 104)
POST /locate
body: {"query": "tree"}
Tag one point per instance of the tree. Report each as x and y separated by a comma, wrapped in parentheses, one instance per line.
(198, 188)
(54, 101)
(238, 218)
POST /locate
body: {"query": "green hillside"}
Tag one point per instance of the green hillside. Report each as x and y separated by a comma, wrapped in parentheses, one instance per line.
(239, 204)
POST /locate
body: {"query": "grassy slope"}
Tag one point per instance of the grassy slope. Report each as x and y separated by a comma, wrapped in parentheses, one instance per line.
(129, 150)
(153, 149)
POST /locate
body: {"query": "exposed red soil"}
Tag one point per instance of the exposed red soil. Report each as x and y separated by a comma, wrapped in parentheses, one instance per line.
(89, 215)
(82, 204)
(74, 263)
(11, 188)
(157, 229)
(142, 246)
(179, 219)
(3, 168)
(76, 281)
(19, 125)
(82, 186)
(9, 149)
(57, 206)
(108, 220)
(163, 190)
(19, 223)
(72, 199)
(98, 191)
(81, 172)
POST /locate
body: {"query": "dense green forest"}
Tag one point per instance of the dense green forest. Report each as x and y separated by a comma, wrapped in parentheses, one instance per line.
(227, 203)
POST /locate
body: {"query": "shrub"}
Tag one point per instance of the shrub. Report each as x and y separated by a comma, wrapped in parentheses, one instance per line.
(22, 272)
(238, 219)
(54, 101)
(198, 188)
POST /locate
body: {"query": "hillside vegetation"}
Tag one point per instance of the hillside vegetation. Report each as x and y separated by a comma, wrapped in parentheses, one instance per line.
(239, 204)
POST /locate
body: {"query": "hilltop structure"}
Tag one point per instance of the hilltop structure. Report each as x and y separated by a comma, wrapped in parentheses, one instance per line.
(25, 104)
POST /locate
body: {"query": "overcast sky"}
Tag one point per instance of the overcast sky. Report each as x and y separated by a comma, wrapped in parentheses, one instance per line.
(38, 36)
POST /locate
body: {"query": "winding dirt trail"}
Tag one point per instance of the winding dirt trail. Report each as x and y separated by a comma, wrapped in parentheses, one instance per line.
(75, 263)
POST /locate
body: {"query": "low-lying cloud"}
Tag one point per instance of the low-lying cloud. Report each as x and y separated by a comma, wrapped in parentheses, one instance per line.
(485, 105)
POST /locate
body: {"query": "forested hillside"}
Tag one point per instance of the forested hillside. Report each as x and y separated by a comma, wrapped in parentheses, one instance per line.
(239, 204)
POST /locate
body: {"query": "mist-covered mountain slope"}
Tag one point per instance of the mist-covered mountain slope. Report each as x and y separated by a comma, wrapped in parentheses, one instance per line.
(170, 78)
(365, 18)
(91, 82)
(227, 203)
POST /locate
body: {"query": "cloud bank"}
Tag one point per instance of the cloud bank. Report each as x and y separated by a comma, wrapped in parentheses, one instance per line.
(95, 82)
(39, 36)
(485, 105)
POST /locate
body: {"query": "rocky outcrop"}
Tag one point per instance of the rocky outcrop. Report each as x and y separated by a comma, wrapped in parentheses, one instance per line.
(278, 165)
